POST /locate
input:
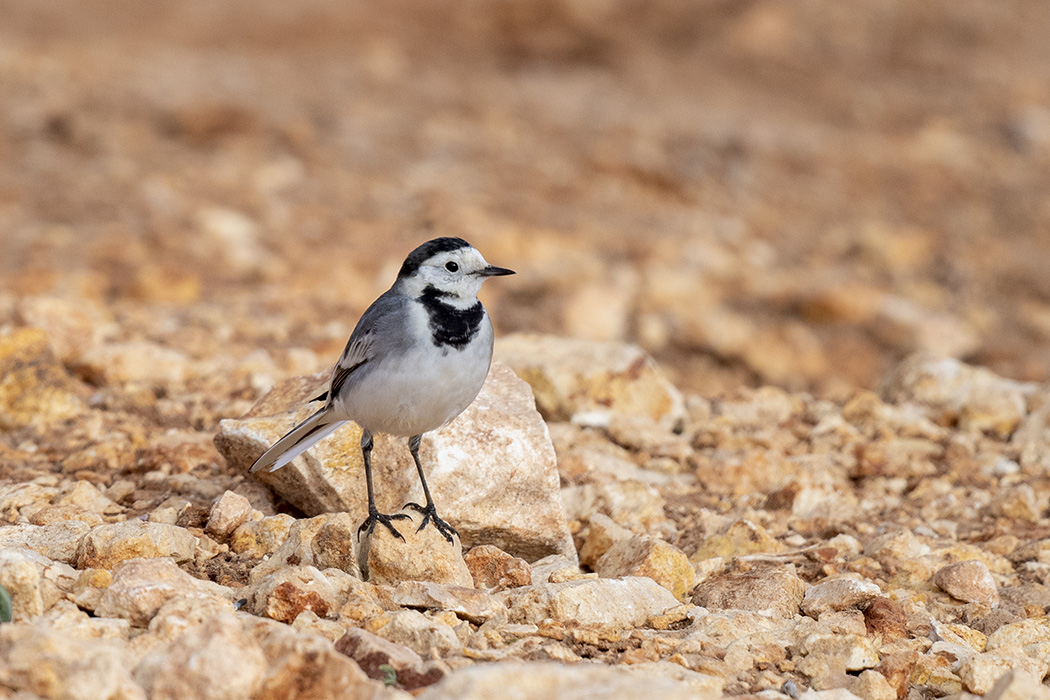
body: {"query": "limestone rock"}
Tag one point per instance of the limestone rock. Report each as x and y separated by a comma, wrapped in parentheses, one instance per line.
(981, 672)
(307, 666)
(467, 603)
(1018, 685)
(554, 681)
(602, 533)
(327, 541)
(571, 376)
(260, 538)
(50, 662)
(21, 577)
(214, 661)
(608, 603)
(838, 594)
(34, 387)
(777, 590)
(492, 470)
(828, 654)
(141, 586)
(134, 362)
(371, 652)
(106, 546)
(741, 538)
(85, 495)
(872, 685)
(952, 391)
(227, 514)
(182, 613)
(57, 542)
(1021, 634)
(426, 636)
(969, 581)
(643, 555)
(290, 590)
(423, 555)
(493, 570)
(631, 504)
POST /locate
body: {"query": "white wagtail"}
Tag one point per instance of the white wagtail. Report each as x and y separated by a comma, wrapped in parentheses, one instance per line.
(416, 359)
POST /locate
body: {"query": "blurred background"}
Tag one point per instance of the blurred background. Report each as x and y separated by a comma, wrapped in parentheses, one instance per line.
(758, 192)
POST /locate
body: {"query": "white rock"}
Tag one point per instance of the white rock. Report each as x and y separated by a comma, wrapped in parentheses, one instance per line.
(21, 577)
(42, 661)
(427, 637)
(227, 514)
(492, 471)
(218, 660)
(141, 586)
(838, 594)
(1018, 685)
(981, 672)
(58, 541)
(554, 681)
(327, 541)
(573, 376)
(107, 545)
(610, 603)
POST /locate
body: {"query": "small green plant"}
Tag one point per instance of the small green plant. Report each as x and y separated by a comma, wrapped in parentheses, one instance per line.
(6, 608)
(389, 674)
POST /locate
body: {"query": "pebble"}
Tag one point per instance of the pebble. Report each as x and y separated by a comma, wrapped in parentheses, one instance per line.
(494, 570)
(227, 514)
(372, 652)
(326, 542)
(571, 376)
(108, 545)
(36, 390)
(776, 590)
(423, 555)
(141, 586)
(643, 555)
(969, 581)
(58, 541)
(607, 603)
(838, 594)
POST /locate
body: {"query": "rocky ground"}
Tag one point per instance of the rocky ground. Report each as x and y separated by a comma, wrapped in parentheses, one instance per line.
(770, 407)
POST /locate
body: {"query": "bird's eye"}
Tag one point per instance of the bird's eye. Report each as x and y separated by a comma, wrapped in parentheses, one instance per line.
(452, 266)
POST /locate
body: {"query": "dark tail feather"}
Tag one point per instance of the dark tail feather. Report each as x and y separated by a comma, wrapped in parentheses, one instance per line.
(299, 439)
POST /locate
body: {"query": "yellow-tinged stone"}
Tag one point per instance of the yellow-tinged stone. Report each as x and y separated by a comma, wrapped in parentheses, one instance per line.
(1021, 634)
(34, 387)
(643, 555)
(742, 538)
(570, 376)
(961, 634)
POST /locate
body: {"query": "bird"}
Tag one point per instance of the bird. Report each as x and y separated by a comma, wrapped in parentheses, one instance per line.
(416, 359)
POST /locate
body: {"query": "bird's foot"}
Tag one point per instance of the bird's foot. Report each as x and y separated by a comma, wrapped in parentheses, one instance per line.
(375, 516)
(430, 515)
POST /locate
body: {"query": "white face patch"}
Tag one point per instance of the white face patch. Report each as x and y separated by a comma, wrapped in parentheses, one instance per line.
(451, 275)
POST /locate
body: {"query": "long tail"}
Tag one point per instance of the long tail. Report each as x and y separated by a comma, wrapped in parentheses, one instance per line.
(299, 439)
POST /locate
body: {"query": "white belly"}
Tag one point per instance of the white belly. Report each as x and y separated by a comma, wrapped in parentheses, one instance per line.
(421, 389)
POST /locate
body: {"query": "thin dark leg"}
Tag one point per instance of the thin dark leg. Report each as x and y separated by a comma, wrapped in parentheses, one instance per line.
(428, 511)
(374, 516)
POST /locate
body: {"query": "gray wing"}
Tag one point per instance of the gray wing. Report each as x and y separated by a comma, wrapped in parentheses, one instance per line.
(381, 327)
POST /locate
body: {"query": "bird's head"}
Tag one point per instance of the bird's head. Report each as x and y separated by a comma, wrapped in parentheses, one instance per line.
(449, 268)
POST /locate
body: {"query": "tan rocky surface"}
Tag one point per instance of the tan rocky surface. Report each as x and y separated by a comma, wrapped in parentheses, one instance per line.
(781, 298)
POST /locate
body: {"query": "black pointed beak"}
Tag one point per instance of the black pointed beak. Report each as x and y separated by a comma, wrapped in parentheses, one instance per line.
(493, 271)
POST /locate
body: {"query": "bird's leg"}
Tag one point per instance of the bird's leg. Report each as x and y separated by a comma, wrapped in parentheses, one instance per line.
(374, 516)
(428, 511)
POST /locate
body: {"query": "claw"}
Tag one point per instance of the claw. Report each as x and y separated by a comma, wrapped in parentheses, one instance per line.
(430, 515)
(386, 520)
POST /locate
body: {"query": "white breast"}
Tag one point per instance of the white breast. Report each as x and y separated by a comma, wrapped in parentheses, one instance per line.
(421, 387)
